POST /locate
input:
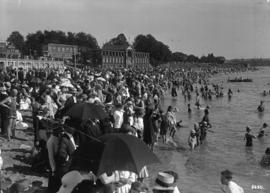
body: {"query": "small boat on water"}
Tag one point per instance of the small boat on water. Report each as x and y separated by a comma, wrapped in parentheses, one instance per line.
(240, 80)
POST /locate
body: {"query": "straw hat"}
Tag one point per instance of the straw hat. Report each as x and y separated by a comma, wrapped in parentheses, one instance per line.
(164, 181)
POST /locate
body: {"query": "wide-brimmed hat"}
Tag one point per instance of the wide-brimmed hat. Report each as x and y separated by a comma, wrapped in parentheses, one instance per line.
(129, 103)
(2, 89)
(164, 181)
(8, 84)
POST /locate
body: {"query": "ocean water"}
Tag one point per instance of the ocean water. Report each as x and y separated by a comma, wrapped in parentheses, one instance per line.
(199, 171)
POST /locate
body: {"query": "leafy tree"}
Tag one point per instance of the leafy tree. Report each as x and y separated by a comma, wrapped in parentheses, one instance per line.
(192, 58)
(159, 52)
(178, 57)
(34, 43)
(16, 39)
(120, 40)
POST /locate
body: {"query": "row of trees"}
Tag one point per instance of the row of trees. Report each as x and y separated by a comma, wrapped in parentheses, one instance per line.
(33, 43)
(160, 53)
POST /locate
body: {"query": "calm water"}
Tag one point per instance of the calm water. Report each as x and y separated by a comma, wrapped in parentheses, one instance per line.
(199, 171)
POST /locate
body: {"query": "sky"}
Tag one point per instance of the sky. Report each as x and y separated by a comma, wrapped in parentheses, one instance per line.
(230, 28)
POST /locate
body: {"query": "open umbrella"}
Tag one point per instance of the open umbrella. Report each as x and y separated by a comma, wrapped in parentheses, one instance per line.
(124, 152)
(85, 111)
(87, 156)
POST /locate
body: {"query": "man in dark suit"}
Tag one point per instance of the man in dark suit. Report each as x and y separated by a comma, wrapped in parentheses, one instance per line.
(71, 100)
(63, 158)
(3, 111)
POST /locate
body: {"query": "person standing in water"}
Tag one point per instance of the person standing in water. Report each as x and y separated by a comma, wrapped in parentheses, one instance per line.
(189, 109)
(206, 117)
(249, 137)
(230, 93)
(261, 132)
(261, 107)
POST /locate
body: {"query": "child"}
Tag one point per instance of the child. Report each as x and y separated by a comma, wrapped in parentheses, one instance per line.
(163, 127)
(249, 137)
(138, 123)
(192, 139)
(198, 133)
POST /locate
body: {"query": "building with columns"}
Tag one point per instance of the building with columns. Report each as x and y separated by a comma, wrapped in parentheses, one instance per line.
(123, 56)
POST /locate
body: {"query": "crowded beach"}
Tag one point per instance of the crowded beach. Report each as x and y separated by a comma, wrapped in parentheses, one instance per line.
(99, 130)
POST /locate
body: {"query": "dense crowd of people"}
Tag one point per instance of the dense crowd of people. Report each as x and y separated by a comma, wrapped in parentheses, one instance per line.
(132, 100)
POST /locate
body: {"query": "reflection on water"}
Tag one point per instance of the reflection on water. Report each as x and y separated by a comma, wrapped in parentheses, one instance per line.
(225, 148)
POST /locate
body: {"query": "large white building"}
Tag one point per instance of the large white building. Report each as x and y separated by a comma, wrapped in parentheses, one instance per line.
(123, 56)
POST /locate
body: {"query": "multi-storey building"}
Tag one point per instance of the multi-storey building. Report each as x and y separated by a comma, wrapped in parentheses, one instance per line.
(60, 51)
(8, 51)
(123, 56)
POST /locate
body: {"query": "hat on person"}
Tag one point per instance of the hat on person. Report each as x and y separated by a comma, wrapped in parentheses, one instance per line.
(118, 105)
(2, 89)
(227, 174)
(69, 181)
(91, 186)
(8, 84)
(73, 90)
(19, 186)
(164, 181)
(138, 187)
(267, 151)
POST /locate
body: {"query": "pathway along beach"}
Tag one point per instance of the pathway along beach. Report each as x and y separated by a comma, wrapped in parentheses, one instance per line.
(198, 171)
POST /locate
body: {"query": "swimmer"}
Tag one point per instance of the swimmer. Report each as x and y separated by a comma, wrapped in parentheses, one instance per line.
(192, 139)
(189, 109)
(249, 137)
(230, 93)
(197, 103)
(261, 107)
(261, 132)
(265, 161)
(198, 133)
(203, 129)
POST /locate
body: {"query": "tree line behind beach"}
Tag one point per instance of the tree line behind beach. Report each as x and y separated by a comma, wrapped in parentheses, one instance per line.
(160, 53)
